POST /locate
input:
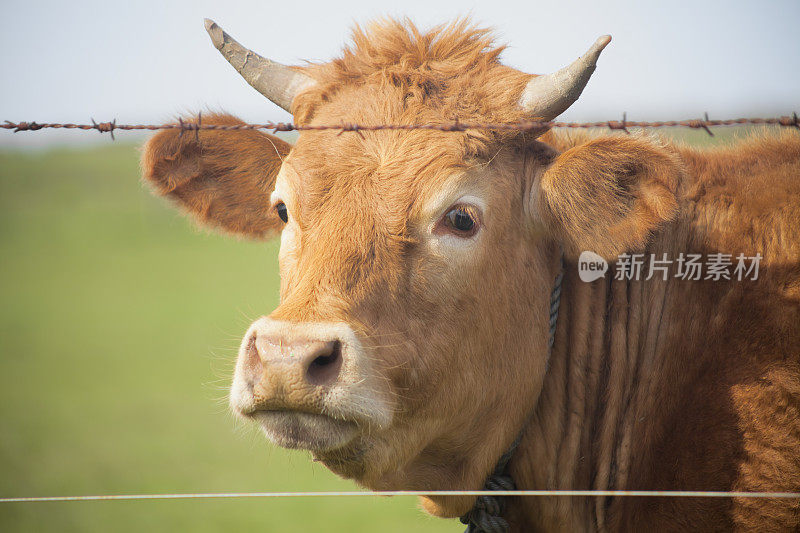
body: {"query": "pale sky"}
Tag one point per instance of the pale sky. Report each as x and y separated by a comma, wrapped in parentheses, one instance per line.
(146, 61)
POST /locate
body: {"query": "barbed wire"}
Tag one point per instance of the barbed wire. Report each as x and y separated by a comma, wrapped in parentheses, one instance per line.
(456, 126)
(539, 493)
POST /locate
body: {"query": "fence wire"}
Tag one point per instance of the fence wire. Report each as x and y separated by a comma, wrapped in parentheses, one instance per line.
(456, 126)
(539, 493)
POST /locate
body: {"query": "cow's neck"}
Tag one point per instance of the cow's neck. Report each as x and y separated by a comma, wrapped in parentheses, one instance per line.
(633, 361)
(579, 435)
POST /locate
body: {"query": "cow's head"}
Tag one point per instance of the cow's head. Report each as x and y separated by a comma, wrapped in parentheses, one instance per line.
(410, 343)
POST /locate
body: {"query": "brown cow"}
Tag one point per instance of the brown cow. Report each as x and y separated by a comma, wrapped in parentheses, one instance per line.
(410, 347)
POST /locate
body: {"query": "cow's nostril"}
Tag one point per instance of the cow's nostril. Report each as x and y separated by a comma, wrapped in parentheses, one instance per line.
(324, 369)
(253, 359)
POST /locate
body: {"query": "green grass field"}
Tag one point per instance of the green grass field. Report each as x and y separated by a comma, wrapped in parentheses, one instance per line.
(119, 326)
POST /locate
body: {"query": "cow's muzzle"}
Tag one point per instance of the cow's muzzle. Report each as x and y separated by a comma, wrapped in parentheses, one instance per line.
(309, 385)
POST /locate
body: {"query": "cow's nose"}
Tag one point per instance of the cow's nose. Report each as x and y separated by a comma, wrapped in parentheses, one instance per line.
(288, 365)
(291, 370)
(311, 362)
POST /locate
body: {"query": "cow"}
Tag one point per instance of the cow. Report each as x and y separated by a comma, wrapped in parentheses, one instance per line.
(410, 349)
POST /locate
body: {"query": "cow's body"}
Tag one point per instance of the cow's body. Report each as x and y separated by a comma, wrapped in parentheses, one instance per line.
(410, 346)
(682, 385)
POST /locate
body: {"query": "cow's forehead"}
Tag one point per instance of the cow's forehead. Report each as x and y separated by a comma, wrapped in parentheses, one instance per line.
(383, 177)
(390, 173)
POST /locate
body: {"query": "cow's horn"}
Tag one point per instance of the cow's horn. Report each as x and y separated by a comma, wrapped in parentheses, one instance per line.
(549, 95)
(277, 82)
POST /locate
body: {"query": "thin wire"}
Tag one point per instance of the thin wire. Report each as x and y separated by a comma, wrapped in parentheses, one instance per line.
(562, 493)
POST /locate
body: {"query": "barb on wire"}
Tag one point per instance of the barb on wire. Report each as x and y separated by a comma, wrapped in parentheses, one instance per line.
(614, 125)
(104, 127)
(705, 115)
(198, 125)
(350, 127)
(455, 126)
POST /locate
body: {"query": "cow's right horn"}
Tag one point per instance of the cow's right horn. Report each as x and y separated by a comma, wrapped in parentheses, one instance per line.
(277, 82)
(548, 96)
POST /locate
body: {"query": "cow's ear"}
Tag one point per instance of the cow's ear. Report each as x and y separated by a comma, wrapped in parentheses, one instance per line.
(609, 194)
(222, 178)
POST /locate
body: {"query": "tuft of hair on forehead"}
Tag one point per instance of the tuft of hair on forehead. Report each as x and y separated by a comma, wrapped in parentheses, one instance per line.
(399, 50)
(450, 72)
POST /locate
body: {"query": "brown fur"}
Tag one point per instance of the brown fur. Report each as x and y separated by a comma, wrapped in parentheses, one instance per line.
(651, 384)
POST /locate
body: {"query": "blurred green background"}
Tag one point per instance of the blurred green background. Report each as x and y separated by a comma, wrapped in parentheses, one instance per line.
(119, 326)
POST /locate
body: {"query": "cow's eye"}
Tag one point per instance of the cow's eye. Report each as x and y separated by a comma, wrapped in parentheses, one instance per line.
(461, 221)
(282, 212)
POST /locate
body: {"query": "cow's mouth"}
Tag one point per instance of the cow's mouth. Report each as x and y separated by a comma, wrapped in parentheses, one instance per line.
(307, 431)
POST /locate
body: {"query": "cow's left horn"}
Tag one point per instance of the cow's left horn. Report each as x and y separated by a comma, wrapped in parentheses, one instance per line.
(277, 82)
(549, 95)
